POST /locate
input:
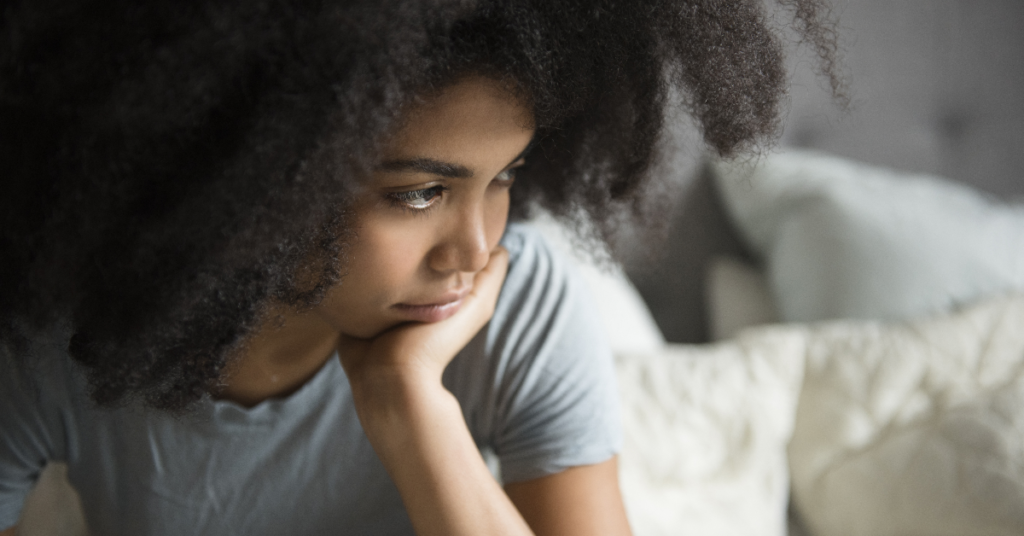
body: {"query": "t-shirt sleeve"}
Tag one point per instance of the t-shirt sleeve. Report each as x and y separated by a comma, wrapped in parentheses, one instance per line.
(555, 398)
(31, 434)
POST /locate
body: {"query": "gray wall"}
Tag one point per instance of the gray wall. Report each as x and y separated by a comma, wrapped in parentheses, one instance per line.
(937, 86)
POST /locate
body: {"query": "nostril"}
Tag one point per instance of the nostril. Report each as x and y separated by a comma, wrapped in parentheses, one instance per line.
(476, 256)
(465, 250)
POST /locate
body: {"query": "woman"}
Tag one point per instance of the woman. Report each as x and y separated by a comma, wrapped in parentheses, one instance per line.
(258, 277)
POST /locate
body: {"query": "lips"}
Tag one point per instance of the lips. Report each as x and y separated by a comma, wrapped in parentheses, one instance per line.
(433, 309)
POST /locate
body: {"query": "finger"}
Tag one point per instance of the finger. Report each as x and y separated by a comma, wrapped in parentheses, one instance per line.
(476, 310)
(478, 305)
(428, 342)
(488, 282)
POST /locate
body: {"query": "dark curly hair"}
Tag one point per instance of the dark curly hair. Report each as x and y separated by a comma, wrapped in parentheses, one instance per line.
(170, 168)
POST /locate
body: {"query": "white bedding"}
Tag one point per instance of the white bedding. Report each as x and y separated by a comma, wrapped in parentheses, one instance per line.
(706, 428)
(896, 429)
(914, 428)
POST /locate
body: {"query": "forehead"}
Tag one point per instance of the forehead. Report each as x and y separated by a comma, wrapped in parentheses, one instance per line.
(474, 113)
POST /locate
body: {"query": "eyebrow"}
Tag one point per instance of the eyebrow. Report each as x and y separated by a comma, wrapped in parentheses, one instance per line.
(428, 165)
(439, 168)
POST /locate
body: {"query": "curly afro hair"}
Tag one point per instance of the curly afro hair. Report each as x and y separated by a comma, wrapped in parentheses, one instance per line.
(171, 168)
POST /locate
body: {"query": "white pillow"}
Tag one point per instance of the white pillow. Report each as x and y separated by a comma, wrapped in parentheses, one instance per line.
(706, 429)
(847, 240)
(628, 323)
(738, 298)
(914, 429)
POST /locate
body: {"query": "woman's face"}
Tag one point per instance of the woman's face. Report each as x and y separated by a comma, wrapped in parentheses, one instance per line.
(428, 219)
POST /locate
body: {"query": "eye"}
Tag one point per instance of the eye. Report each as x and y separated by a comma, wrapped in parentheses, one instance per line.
(506, 178)
(417, 199)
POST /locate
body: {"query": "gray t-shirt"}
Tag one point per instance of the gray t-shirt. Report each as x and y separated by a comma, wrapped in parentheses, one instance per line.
(536, 387)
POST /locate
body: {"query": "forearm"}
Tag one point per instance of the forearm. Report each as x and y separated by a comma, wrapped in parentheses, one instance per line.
(419, 433)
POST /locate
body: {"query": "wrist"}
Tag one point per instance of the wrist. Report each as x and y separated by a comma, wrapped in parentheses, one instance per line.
(390, 404)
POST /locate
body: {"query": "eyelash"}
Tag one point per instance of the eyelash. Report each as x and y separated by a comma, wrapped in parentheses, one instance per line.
(402, 200)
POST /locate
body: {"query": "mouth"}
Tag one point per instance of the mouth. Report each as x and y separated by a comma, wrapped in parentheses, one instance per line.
(433, 309)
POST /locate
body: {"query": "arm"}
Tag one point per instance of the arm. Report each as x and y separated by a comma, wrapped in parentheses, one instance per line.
(578, 501)
(10, 531)
(416, 426)
(421, 438)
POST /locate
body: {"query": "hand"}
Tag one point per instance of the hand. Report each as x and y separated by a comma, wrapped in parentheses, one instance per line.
(419, 352)
(416, 426)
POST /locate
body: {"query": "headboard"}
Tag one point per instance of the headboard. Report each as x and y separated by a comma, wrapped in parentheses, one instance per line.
(936, 86)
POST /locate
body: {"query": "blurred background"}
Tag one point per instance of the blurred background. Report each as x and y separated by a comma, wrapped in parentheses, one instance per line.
(935, 87)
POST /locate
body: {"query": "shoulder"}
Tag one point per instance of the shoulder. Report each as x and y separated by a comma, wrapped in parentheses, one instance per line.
(47, 377)
(543, 296)
(536, 269)
(37, 396)
(544, 317)
(527, 247)
(537, 383)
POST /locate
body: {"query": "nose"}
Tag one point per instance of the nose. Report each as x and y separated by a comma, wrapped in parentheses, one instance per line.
(463, 246)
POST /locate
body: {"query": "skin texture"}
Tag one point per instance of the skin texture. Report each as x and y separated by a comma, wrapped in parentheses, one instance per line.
(580, 500)
(429, 247)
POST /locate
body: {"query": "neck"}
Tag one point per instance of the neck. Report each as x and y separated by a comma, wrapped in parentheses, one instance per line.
(280, 357)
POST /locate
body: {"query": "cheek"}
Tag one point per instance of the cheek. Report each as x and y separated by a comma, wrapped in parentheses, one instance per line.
(381, 267)
(386, 254)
